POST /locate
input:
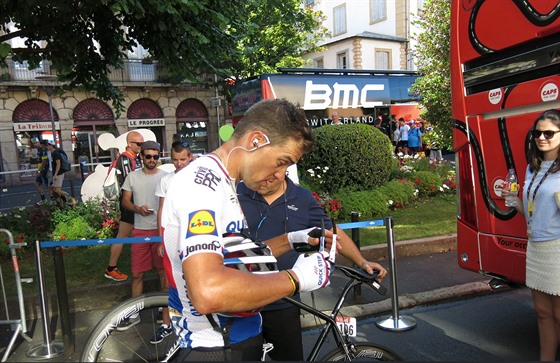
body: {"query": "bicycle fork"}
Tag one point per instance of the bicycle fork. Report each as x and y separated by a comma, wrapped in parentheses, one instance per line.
(341, 340)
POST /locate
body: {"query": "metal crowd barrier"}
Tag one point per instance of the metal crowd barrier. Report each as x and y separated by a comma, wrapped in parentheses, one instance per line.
(394, 322)
(18, 326)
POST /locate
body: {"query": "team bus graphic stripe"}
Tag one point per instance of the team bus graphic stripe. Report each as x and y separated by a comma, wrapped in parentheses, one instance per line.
(530, 13)
(488, 201)
(502, 129)
(534, 16)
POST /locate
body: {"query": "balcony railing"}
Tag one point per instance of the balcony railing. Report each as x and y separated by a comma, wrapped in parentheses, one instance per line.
(133, 70)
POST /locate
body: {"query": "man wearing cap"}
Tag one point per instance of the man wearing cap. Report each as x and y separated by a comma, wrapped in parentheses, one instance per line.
(43, 169)
(141, 184)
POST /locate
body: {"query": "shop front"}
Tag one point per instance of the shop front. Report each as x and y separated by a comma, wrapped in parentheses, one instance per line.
(32, 123)
(192, 125)
(147, 114)
(92, 117)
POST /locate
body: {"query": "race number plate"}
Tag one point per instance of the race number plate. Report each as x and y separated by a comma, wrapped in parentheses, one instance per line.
(346, 325)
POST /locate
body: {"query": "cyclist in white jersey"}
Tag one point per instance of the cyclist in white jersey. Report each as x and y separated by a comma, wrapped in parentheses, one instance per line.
(206, 297)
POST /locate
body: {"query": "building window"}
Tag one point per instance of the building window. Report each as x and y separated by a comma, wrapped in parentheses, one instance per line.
(319, 62)
(339, 19)
(378, 10)
(23, 73)
(309, 2)
(342, 60)
(382, 59)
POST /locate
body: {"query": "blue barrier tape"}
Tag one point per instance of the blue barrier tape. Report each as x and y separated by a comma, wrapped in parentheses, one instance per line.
(109, 241)
(93, 242)
(376, 223)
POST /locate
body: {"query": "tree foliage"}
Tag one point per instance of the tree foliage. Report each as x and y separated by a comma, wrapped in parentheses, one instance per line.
(351, 156)
(432, 59)
(84, 39)
(280, 32)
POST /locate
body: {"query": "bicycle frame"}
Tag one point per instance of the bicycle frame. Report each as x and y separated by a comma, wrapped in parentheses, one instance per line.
(330, 324)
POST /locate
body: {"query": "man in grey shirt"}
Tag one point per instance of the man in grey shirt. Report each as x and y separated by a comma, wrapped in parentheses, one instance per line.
(141, 184)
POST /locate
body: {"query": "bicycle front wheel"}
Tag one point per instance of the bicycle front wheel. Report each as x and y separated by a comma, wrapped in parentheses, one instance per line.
(362, 352)
(107, 344)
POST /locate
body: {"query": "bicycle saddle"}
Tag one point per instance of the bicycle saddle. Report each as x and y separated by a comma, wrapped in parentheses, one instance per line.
(362, 276)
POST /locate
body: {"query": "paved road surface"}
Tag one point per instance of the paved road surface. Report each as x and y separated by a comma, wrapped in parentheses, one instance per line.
(500, 326)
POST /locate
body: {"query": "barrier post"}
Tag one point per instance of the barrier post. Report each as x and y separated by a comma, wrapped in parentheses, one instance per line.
(356, 238)
(48, 349)
(395, 322)
(62, 294)
(72, 191)
(19, 326)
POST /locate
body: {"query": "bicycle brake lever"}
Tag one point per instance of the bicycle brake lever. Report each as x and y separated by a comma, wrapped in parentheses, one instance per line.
(322, 238)
(332, 252)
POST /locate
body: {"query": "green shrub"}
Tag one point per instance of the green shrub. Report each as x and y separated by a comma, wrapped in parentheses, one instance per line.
(75, 228)
(427, 182)
(354, 156)
(368, 204)
(399, 193)
(95, 218)
(99, 214)
(404, 166)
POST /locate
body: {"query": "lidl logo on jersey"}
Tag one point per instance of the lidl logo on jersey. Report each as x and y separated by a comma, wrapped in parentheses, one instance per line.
(202, 222)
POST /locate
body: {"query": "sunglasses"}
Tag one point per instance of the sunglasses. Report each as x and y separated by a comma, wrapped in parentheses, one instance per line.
(548, 134)
(139, 144)
(149, 157)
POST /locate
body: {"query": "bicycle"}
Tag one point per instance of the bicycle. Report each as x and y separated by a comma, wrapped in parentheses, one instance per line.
(343, 327)
(106, 344)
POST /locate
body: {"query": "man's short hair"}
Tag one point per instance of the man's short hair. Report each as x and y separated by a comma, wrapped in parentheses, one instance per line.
(179, 146)
(280, 120)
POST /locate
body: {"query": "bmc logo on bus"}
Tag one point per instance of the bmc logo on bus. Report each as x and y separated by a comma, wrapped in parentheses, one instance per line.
(318, 96)
(495, 95)
(549, 92)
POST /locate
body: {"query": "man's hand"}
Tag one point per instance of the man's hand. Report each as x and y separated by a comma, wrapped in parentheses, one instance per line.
(300, 237)
(311, 237)
(369, 267)
(312, 271)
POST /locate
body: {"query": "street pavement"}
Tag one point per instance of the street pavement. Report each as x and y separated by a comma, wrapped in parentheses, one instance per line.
(428, 278)
(22, 195)
(500, 326)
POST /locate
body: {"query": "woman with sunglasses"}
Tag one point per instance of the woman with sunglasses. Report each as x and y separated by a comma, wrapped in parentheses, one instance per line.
(541, 208)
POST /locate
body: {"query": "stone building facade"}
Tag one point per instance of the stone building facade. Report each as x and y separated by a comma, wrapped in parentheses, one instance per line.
(191, 112)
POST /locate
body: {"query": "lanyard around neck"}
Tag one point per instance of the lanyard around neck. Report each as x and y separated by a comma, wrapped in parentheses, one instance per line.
(529, 199)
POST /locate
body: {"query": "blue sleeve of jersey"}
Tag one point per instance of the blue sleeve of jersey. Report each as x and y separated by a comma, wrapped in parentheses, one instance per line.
(315, 211)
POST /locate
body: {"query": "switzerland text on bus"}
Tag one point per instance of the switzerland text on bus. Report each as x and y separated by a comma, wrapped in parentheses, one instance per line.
(505, 62)
(359, 96)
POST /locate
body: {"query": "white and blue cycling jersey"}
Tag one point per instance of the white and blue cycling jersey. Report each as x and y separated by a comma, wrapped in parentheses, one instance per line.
(200, 207)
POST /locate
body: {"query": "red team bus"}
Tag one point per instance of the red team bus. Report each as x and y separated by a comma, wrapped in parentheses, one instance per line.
(505, 63)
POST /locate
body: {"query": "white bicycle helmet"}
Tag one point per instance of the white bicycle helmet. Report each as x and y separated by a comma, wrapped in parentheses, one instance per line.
(243, 254)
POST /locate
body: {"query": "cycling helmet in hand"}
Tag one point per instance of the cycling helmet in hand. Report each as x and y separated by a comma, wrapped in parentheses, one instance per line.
(243, 254)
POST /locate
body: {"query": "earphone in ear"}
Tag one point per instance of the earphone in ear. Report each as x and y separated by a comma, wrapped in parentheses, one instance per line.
(256, 142)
